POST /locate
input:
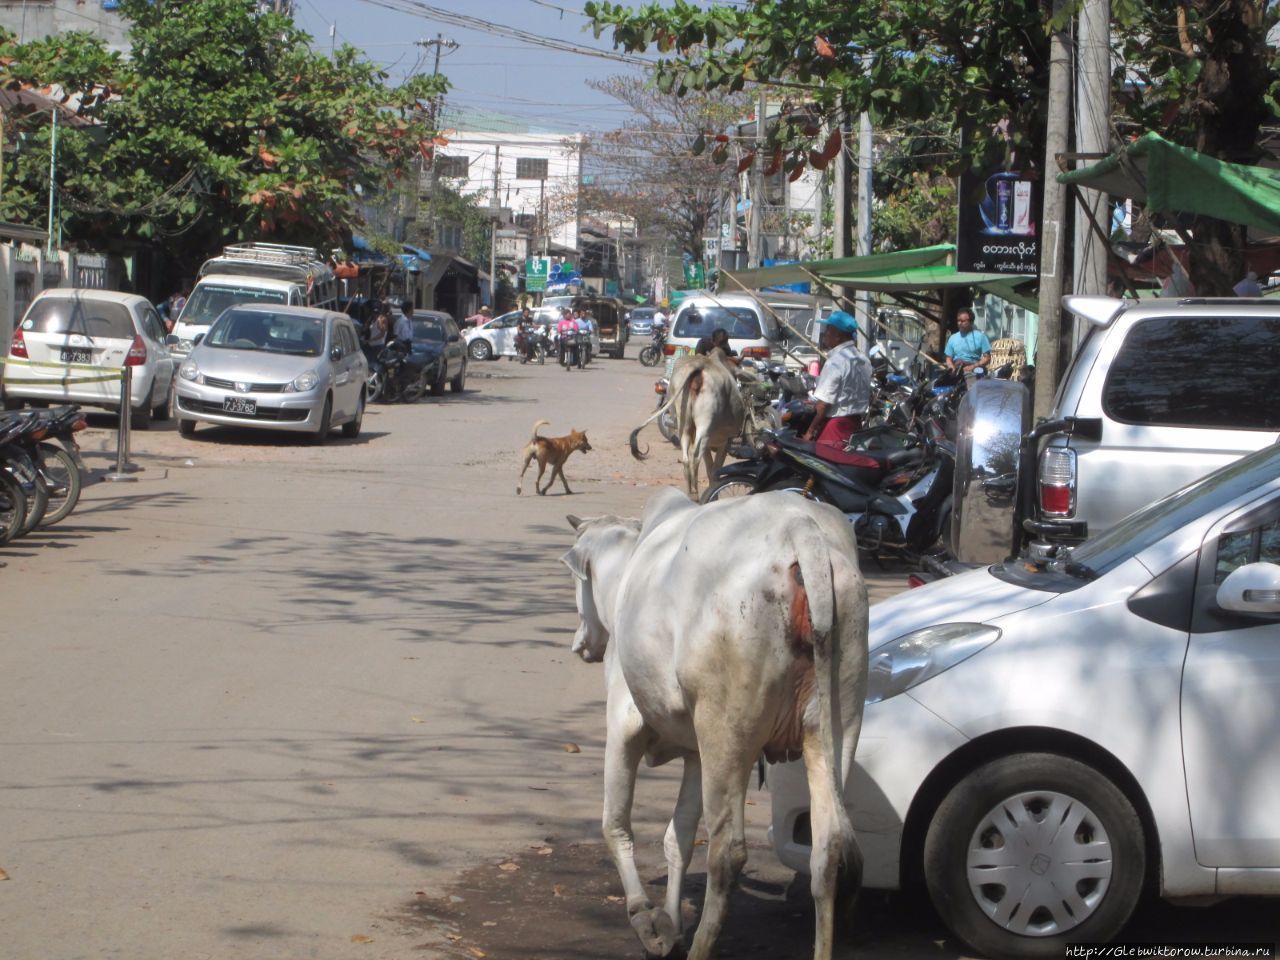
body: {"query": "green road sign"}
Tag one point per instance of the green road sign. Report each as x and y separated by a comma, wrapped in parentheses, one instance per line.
(536, 271)
(694, 275)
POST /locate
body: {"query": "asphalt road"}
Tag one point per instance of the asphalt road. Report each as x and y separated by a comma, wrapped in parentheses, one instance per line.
(277, 700)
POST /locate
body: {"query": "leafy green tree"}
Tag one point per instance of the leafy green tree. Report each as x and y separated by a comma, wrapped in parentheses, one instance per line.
(223, 125)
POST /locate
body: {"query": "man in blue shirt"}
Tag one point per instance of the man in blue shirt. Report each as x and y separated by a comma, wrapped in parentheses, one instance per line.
(967, 348)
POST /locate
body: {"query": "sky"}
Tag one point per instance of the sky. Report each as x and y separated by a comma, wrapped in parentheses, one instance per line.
(545, 88)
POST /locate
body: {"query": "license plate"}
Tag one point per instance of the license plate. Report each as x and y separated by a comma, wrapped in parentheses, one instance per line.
(239, 405)
(76, 356)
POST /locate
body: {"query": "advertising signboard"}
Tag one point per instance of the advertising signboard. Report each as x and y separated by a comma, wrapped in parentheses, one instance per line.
(536, 272)
(999, 223)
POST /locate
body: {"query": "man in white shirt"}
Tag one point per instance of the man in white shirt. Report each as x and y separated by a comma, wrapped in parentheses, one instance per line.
(404, 323)
(844, 387)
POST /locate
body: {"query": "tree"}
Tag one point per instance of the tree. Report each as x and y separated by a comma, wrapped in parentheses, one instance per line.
(1205, 73)
(222, 125)
(647, 170)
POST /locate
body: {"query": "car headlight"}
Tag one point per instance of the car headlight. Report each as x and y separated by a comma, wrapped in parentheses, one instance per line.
(303, 382)
(185, 346)
(189, 371)
(923, 654)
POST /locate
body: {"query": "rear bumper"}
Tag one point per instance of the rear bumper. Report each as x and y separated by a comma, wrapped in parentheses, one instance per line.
(104, 393)
(296, 412)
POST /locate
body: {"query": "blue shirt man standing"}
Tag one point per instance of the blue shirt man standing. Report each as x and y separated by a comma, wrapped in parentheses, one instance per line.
(967, 348)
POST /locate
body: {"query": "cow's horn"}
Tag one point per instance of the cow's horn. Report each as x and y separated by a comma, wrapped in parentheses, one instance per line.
(574, 522)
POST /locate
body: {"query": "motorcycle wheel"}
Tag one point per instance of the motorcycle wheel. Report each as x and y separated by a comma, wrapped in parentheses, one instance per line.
(727, 489)
(540, 353)
(796, 485)
(667, 426)
(414, 390)
(13, 507)
(37, 500)
(649, 356)
(60, 468)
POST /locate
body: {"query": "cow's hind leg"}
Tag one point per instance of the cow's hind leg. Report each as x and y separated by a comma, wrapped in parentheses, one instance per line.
(678, 843)
(835, 863)
(724, 791)
(624, 746)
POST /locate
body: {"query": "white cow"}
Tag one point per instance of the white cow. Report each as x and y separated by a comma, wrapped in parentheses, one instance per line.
(727, 631)
(709, 413)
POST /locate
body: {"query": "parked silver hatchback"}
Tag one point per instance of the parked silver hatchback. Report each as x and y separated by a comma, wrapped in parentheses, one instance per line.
(279, 367)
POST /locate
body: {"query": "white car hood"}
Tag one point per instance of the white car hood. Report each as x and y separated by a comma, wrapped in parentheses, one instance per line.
(973, 597)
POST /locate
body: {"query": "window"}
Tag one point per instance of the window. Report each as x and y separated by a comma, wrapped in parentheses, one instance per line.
(458, 167)
(739, 322)
(209, 300)
(91, 318)
(531, 168)
(152, 325)
(1258, 544)
(1197, 372)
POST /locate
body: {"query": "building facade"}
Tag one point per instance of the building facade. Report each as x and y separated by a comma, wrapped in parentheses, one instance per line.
(35, 19)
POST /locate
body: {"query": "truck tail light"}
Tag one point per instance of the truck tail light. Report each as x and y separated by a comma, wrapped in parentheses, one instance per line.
(18, 346)
(1058, 482)
(137, 353)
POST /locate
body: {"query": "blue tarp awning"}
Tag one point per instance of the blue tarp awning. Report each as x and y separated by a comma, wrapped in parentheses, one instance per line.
(361, 252)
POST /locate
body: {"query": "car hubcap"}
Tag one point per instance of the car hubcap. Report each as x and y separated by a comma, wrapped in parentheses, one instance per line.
(1039, 863)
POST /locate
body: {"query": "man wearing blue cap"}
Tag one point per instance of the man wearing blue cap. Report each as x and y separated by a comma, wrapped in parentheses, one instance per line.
(844, 387)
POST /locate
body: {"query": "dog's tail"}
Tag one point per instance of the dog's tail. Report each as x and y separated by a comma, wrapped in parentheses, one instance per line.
(635, 434)
(541, 423)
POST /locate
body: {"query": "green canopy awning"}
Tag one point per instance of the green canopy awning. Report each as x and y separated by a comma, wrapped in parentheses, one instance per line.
(1170, 179)
(905, 271)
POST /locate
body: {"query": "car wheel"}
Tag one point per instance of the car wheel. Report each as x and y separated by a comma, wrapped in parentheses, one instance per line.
(459, 383)
(165, 410)
(1033, 851)
(140, 417)
(187, 427)
(326, 422)
(438, 384)
(351, 429)
(373, 387)
(480, 349)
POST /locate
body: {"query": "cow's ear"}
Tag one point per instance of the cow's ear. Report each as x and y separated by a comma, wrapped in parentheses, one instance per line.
(577, 562)
(574, 522)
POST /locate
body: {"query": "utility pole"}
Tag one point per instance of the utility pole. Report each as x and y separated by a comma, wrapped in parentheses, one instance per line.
(493, 234)
(1093, 126)
(757, 187)
(1052, 253)
(53, 183)
(440, 42)
(865, 147)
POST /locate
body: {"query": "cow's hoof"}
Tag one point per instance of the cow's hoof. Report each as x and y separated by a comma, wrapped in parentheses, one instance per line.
(658, 935)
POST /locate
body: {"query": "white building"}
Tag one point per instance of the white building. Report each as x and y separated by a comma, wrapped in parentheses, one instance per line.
(535, 175)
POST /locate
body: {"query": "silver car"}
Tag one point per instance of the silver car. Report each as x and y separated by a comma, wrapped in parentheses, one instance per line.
(280, 367)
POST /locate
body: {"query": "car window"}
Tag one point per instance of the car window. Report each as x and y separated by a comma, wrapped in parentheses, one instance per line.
(451, 329)
(346, 338)
(89, 318)
(270, 332)
(1196, 372)
(740, 323)
(1156, 521)
(428, 328)
(152, 325)
(208, 300)
(1259, 543)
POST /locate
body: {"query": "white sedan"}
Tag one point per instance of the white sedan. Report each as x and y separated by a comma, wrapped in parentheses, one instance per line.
(1039, 744)
(497, 337)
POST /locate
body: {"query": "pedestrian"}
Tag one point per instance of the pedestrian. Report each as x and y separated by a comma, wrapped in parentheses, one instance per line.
(843, 393)
(175, 303)
(1249, 286)
(404, 323)
(483, 315)
(967, 349)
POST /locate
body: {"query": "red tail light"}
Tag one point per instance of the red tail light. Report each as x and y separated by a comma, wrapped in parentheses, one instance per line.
(137, 353)
(18, 346)
(39, 434)
(668, 349)
(755, 353)
(1058, 482)
(659, 387)
(914, 580)
(1055, 501)
(79, 425)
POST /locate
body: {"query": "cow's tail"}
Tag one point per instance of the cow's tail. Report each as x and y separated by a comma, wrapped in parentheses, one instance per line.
(835, 851)
(635, 434)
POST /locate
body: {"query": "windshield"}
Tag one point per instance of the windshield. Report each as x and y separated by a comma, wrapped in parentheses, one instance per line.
(91, 318)
(208, 300)
(739, 322)
(270, 332)
(1152, 523)
(425, 328)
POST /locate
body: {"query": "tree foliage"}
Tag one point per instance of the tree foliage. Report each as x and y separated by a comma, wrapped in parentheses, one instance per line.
(222, 124)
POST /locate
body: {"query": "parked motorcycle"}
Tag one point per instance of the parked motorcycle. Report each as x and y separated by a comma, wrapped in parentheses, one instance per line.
(652, 353)
(18, 464)
(52, 446)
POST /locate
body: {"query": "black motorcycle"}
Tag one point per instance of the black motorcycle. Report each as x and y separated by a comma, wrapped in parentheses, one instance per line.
(573, 350)
(652, 353)
(395, 375)
(532, 345)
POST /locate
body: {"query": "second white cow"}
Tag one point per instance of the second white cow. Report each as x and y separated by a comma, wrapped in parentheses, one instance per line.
(727, 631)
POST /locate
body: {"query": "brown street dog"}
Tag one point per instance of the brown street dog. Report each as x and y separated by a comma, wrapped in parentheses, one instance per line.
(554, 451)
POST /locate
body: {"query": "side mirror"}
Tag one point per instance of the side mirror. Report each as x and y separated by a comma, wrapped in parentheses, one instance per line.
(171, 340)
(335, 354)
(1252, 589)
(454, 338)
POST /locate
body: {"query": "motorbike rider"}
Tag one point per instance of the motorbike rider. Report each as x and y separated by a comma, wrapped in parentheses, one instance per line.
(584, 335)
(843, 392)
(566, 332)
(404, 323)
(719, 340)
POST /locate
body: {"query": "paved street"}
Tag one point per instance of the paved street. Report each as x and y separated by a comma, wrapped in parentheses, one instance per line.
(275, 700)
